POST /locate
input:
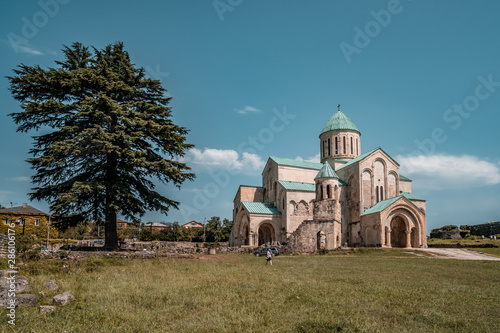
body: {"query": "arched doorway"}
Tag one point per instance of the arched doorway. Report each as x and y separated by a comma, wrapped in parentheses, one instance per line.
(244, 236)
(398, 232)
(414, 238)
(321, 240)
(266, 234)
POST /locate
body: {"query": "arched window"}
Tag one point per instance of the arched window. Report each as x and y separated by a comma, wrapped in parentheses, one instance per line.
(357, 147)
(329, 147)
(328, 192)
(381, 193)
(344, 144)
(319, 191)
(283, 204)
(323, 149)
(352, 147)
(336, 145)
(376, 190)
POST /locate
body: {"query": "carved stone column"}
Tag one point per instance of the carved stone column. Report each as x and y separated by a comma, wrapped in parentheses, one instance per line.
(408, 239)
(388, 237)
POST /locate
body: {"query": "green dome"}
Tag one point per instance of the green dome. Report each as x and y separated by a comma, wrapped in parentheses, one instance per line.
(326, 172)
(340, 121)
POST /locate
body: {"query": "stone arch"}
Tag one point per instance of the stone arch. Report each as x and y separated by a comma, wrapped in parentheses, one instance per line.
(319, 191)
(321, 240)
(392, 180)
(242, 224)
(245, 235)
(267, 234)
(413, 219)
(366, 189)
(398, 231)
(302, 208)
(414, 237)
(292, 206)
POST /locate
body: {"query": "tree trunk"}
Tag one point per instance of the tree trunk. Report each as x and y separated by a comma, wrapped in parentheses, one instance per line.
(110, 233)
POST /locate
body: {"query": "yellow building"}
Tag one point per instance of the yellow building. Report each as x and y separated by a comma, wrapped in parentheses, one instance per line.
(27, 219)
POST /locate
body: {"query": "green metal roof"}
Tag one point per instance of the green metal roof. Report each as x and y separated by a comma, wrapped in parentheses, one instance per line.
(381, 205)
(326, 172)
(403, 178)
(359, 158)
(411, 196)
(297, 163)
(260, 208)
(339, 121)
(297, 186)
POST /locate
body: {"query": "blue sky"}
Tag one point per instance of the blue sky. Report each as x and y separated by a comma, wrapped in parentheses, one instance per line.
(253, 79)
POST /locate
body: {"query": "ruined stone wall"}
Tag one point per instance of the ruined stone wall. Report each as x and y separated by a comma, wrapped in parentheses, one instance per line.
(485, 229)
(299, 207)
(311, 236)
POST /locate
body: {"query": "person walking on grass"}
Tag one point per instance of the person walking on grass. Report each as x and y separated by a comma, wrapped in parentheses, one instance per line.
(269, 257)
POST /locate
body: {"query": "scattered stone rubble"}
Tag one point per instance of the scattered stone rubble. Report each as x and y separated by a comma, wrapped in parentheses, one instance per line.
(10, 282)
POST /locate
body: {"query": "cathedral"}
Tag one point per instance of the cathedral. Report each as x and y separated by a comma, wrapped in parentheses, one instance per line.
(349, 199)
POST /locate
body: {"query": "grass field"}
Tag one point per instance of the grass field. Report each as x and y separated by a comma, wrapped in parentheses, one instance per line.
(372, 290)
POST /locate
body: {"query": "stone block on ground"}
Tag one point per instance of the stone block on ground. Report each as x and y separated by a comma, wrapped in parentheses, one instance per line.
(63, 298)
(51, 285)
(47, 309)
(20, 282)
(26, 300)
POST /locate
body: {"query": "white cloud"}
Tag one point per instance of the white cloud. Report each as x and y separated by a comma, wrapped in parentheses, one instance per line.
(247, 109)
(439, 172)
(314, 158)
(29, 50)
(20, 179)
(212, 159)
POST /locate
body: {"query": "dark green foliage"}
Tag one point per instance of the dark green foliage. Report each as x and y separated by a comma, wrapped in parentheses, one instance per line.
(217, 231)
(214, 230)
(449, 227)
(107, 133)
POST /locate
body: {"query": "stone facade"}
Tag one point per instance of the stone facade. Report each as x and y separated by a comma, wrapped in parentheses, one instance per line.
(348, 199)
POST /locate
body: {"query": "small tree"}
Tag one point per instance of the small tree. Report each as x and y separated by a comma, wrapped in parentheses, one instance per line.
(228, 225)
(107, 133)
(215, 230)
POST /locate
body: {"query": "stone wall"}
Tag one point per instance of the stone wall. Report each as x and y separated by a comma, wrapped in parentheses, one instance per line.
(312, 236)
(446, 234)
(485, 229)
